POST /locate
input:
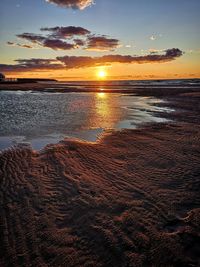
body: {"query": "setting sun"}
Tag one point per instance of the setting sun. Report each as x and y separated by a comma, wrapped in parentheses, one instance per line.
(101, 74)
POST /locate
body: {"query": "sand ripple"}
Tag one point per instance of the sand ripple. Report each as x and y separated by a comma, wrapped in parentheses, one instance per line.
(131, 199)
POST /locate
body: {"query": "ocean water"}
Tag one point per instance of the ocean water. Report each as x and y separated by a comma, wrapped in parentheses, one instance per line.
(40, 118)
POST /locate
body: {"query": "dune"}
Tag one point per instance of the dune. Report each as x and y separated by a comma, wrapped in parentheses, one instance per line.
(129, 199)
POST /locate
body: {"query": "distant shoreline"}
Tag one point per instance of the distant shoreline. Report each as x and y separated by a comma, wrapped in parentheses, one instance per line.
(25, 80)
(145, 89)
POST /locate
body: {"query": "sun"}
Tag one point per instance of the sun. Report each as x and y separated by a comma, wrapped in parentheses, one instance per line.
(101, 74)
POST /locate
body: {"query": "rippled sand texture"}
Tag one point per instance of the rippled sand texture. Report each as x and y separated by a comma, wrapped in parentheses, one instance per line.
(131, 199)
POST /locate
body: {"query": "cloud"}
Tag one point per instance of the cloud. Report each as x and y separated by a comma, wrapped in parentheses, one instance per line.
(55, 44)
(79, 42)
(58, 44)
(20, 45)
(75, 4)
(153, 38)
(33, 64)
(34, 38)
(101, 43)
(75, 62)
(173, 53)
(10, 43)
(82, 62)
(66, 32)
(36, 61)
(193, 51)
(56, 39)
(25, 46)
(153, 50)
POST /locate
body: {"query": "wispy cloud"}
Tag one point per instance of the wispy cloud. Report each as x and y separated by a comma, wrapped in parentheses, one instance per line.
(154, 50)
(154, 37)
(193, 51)
(20, 45)
(11, 43)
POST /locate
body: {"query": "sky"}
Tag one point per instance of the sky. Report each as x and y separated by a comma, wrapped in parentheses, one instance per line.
(79, 39)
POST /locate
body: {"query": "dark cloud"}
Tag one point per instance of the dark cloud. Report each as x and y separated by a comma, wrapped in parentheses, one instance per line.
(36, 61)
(70, 62)
(55, 44)
(10, 43)
(66, 32)
(78, 62)
(33, 64)
(173, 53)
(75, 4)
(34, 38)
(76, 37)
(101, 43)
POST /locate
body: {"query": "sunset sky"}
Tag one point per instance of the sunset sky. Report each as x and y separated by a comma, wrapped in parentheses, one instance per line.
(77, 39)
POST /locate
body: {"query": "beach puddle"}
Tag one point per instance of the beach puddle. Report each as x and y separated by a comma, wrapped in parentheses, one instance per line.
(47, 118)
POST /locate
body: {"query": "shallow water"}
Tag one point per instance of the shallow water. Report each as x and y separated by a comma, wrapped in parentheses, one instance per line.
(43, 118)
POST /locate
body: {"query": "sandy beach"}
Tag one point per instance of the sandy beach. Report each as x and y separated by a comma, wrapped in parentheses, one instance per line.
(130, 199)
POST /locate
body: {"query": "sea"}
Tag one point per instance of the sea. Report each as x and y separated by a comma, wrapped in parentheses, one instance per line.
(79, 110)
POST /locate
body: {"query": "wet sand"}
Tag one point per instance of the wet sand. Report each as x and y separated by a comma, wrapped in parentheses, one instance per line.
(130, 199)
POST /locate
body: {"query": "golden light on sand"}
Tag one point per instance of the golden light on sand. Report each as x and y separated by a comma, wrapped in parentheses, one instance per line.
(101, 74)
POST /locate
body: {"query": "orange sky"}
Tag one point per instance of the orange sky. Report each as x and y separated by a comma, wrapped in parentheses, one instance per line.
(139, 31)
(181, 68)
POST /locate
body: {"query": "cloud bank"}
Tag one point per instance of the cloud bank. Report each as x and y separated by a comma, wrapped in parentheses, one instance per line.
(82, 62)
(75, 4)
(75, 62)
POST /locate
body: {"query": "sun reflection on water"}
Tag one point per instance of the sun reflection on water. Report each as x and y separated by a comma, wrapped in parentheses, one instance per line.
(102, 105)
(107, 113)
(101, 95)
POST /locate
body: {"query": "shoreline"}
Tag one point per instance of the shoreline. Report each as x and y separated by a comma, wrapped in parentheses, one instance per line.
(156, 89)
(130, 199)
